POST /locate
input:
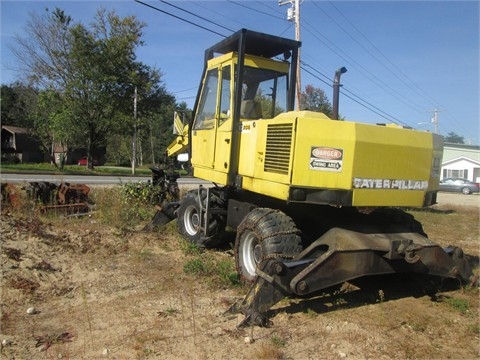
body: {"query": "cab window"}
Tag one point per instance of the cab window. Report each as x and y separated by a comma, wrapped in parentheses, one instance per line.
(264, 93)
(225, 112)
(205, 118)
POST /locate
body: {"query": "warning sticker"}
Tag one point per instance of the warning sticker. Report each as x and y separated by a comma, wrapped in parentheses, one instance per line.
(326, 159)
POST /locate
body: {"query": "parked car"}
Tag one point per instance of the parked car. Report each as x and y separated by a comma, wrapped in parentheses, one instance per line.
(84, 161)
(459, 185)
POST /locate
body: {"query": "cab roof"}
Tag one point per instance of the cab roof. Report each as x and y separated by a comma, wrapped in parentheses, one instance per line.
(255, 43)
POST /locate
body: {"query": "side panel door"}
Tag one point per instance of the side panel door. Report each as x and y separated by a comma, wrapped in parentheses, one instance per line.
(204, 129)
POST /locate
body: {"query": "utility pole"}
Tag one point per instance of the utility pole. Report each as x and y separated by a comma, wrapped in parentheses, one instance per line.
(435, 121)
(293, 14)
(134, 140)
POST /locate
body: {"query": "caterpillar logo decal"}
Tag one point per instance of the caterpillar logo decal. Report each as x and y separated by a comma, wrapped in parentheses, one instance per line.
(361, 183)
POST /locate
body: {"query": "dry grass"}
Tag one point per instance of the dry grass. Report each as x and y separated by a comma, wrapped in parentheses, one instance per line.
(452, 225)
(132, 298)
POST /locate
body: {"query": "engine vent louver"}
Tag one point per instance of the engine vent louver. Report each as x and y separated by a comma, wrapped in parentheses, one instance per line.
(279, 143)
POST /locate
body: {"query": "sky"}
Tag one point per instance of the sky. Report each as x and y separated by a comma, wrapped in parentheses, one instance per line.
(405, 59)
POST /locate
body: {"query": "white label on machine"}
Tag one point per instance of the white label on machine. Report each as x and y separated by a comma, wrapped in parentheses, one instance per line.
(326, 159)
(361, 183)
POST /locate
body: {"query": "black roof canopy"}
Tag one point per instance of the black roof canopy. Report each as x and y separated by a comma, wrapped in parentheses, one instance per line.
(255, 43)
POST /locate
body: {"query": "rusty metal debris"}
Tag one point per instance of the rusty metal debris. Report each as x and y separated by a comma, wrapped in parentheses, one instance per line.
(64, 197)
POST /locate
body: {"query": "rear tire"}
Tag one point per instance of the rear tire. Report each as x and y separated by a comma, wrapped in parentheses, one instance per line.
(189, 220)
(466, 191)
(264, 233)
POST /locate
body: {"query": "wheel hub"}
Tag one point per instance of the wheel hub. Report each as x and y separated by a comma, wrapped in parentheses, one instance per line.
(257, 253)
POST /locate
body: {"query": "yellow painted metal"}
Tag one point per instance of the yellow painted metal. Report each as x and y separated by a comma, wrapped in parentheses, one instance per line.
(217, 177)
(382, 166)
(180, 143)
(203, 148)
(379, 165)
(266, 187)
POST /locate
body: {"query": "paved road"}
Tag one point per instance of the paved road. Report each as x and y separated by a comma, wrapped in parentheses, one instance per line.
(88, 179)
(443, 198)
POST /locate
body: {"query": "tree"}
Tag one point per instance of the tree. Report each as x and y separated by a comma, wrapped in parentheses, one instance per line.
(18, 103)
(314, 99)
(94, 69)
(54, 125)
(454, 138)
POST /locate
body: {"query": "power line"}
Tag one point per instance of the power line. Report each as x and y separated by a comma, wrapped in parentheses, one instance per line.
(196, 15)
(222, 16)
(362, 102)
(179, 18)
(361, 69)
(255, 10)
(412, 85)
(180, 91)
(409, 83)
(326, 42)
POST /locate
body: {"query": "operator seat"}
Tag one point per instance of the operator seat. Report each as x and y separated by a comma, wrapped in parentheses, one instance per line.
(250, 109)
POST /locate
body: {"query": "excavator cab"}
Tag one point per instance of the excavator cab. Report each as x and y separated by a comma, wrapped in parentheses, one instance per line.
(241, 81)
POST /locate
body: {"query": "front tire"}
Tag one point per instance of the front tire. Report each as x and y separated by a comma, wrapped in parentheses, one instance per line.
(189, 222)
(264, 233)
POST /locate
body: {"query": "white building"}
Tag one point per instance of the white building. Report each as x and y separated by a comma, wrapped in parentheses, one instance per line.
(461, 161)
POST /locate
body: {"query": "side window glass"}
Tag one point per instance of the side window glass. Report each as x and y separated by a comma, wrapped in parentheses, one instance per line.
(264, 94)
(205, 118)
(225, 96)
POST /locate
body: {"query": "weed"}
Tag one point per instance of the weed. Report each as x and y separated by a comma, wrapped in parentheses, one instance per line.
(188, 248)
(381, 296)
(227, 273)
(171, 310)
(459, 305)
(218, 273)
(277, 341)
(419, 327)
(311, 313)
(196, 266)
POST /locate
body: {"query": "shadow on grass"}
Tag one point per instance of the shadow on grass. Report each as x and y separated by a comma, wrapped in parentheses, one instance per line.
(369, 291)
(432, 210)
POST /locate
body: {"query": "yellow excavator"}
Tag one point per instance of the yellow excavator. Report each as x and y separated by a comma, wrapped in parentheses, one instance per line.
(314, 201)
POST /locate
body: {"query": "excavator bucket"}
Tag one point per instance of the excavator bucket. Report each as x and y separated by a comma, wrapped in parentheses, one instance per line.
(342, 255)
(169, 193)
(166, 212)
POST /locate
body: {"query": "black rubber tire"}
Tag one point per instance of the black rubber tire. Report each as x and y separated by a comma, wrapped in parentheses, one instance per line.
(189, 220)
(466, 191)
(264, 233)
(397, 220)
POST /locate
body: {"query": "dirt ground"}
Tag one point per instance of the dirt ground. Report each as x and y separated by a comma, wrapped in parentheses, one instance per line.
(77, 289)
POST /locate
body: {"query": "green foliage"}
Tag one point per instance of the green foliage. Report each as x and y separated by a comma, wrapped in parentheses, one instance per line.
(219, 272)
(199, 266)
(123, 212)
(459, 305)
(277, 341)
(314, 99)
(453, 138)
(189, 248)
(143, 193)
(88, 76)
(18, 104)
